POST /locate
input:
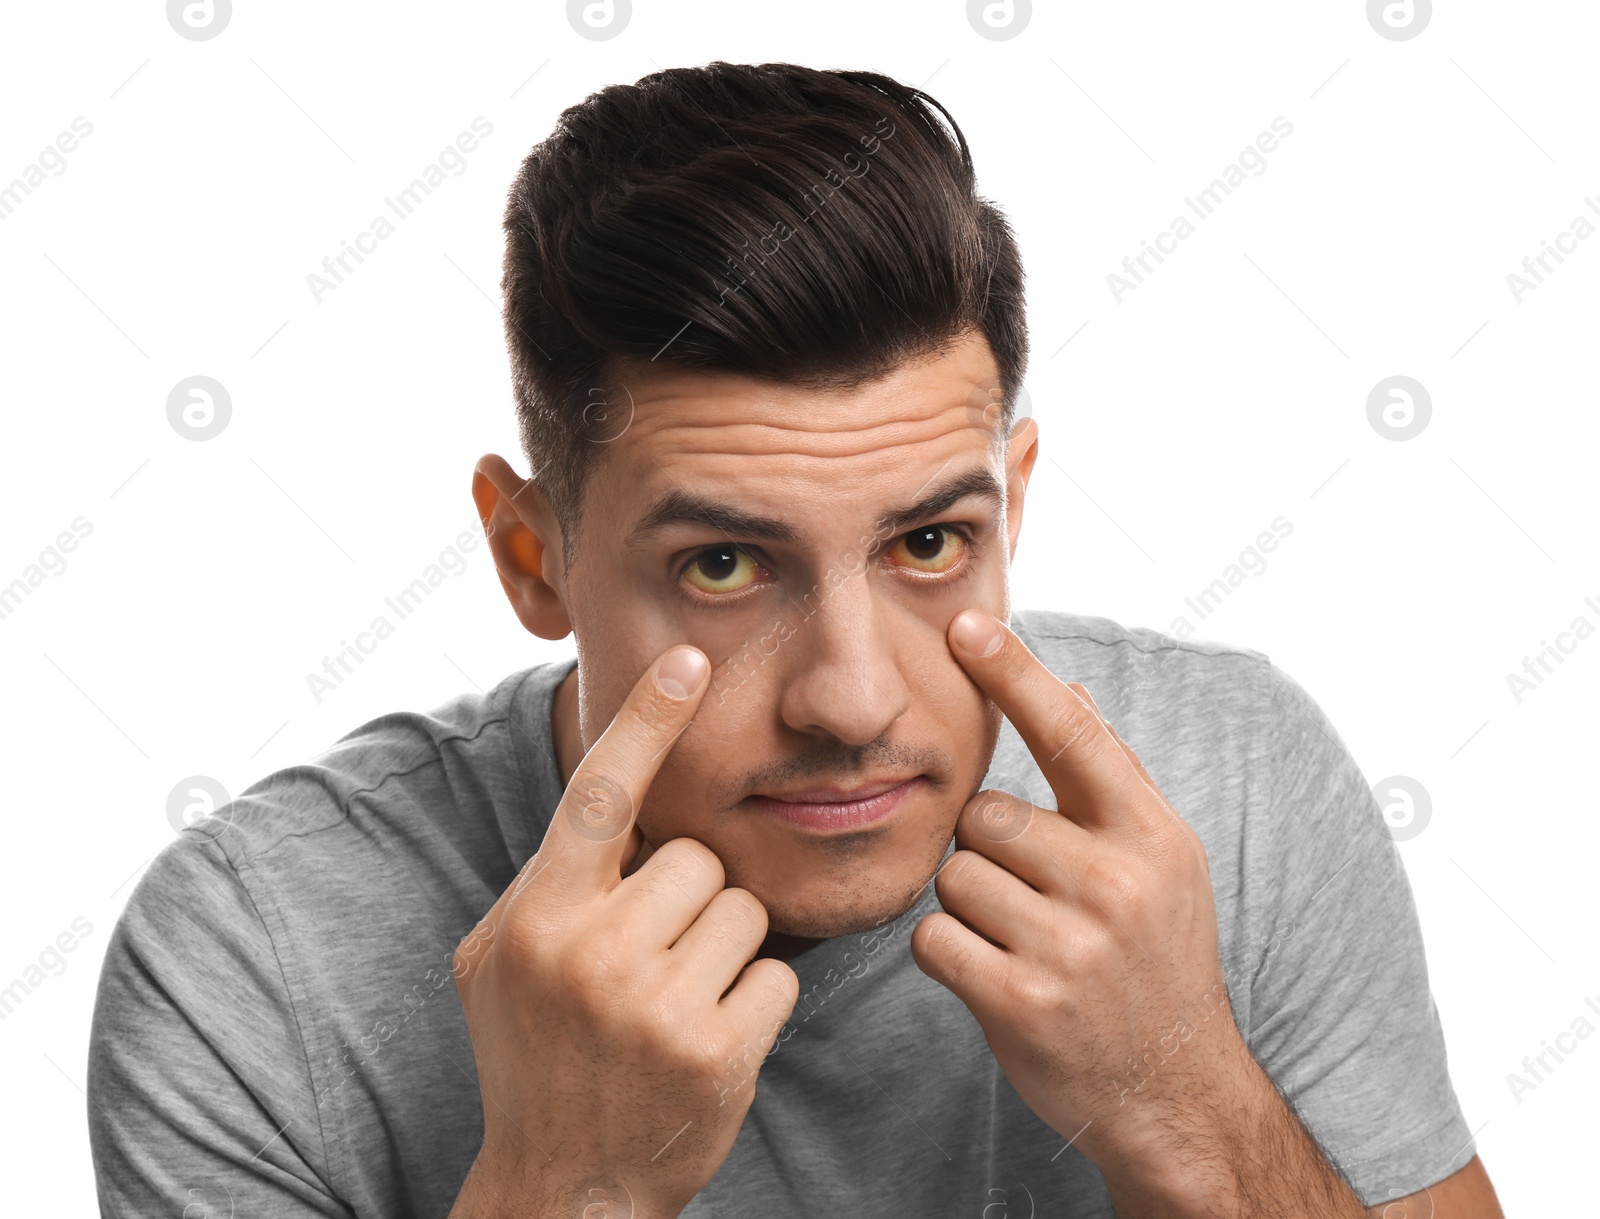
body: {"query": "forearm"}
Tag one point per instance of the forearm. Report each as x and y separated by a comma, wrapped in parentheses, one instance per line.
(1241, 1150)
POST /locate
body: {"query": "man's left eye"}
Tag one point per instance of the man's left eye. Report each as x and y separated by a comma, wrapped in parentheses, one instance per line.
(932, 549)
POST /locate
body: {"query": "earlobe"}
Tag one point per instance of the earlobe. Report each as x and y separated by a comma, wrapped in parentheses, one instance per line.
(525, 541)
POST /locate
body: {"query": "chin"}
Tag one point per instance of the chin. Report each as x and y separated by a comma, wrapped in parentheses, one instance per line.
(830, 924)
(828, 917)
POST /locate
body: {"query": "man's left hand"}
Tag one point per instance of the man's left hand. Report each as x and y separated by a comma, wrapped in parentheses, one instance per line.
(1084, 940)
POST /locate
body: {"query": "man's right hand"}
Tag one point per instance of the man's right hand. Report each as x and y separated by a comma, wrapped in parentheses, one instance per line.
(617, 1021)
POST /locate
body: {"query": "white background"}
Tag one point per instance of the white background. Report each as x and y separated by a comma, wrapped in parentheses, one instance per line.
(1227, 390)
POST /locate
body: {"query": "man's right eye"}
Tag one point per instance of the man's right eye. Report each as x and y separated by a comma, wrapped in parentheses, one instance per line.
(721, 570)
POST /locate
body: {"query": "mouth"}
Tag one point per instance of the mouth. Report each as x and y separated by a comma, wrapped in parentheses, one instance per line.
(837, 808)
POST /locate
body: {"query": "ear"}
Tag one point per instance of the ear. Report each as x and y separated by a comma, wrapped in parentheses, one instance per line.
(525, 540)
(1022, 450)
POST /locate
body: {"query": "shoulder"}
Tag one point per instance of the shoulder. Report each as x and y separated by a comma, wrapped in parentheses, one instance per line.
(267, 941)
(1065, 636)
(1236, 744)
(465, 760)
(1151, 681)
(1193, 707)
(385, 843)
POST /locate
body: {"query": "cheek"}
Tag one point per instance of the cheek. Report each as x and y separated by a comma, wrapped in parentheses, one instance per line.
(972, 727)
(941, 687)
(697, 780)
(953, 715)
(675, 804)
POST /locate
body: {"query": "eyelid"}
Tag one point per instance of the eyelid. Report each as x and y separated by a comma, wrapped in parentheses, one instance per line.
(688, 559)
(967, 532)
(960, 528)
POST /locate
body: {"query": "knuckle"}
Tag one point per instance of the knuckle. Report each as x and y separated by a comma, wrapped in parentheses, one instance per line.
(530, 937)
(938, 938)
(1094, 953)
(1031, 990)
(672, 1034)
(785, 982)
(962, 866)
(595, 975)
(694, 862)
(771, 980)
(1171, 847)
(471, 951)
(1073, 727)
(926, 938)
(998, 815)
(657, 714)
(597, 804)
(744, 909)
(966, 876)
(947, 882)
(664, 878)
(664, 1013)
(522, 941)
(528, 874)
(1112, 881)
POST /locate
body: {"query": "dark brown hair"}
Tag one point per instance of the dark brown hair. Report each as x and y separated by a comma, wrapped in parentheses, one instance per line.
(800, 225)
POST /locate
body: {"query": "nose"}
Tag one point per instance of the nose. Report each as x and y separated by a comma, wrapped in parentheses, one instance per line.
(843, 679)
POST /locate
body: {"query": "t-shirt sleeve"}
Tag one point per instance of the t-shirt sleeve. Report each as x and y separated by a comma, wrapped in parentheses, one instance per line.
(200, 1096)
(1341, 1016)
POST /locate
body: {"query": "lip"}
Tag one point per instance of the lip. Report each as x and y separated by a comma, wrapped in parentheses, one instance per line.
(833, 808)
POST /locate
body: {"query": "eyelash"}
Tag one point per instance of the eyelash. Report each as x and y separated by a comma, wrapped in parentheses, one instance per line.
(944, 580)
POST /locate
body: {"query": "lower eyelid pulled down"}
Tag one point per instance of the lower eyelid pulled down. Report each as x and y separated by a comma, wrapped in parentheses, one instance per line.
(963, 561)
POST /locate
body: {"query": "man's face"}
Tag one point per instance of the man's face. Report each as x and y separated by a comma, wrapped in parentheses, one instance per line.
(822, 594)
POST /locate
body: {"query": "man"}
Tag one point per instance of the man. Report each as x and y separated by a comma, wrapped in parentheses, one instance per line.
(528, 954)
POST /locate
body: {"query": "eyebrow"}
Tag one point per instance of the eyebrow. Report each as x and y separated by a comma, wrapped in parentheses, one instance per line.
(678, 507)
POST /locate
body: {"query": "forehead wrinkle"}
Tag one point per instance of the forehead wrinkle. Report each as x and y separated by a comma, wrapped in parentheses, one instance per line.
(793, 418)
(747, 439)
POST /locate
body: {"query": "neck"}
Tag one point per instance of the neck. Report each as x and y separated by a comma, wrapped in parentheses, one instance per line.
(564, 727)
(784, 947)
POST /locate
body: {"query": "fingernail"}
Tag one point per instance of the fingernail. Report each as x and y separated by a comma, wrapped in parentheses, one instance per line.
(680, 672)
(977, 633)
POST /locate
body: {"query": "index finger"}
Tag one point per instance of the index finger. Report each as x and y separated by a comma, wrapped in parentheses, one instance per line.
(582, 852)
(1095, 783)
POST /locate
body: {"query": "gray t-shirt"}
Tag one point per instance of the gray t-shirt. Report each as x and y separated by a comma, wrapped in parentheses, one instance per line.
(277, 1032)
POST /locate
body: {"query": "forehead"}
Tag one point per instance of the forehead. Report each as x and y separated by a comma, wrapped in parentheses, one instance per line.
(800, 453)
